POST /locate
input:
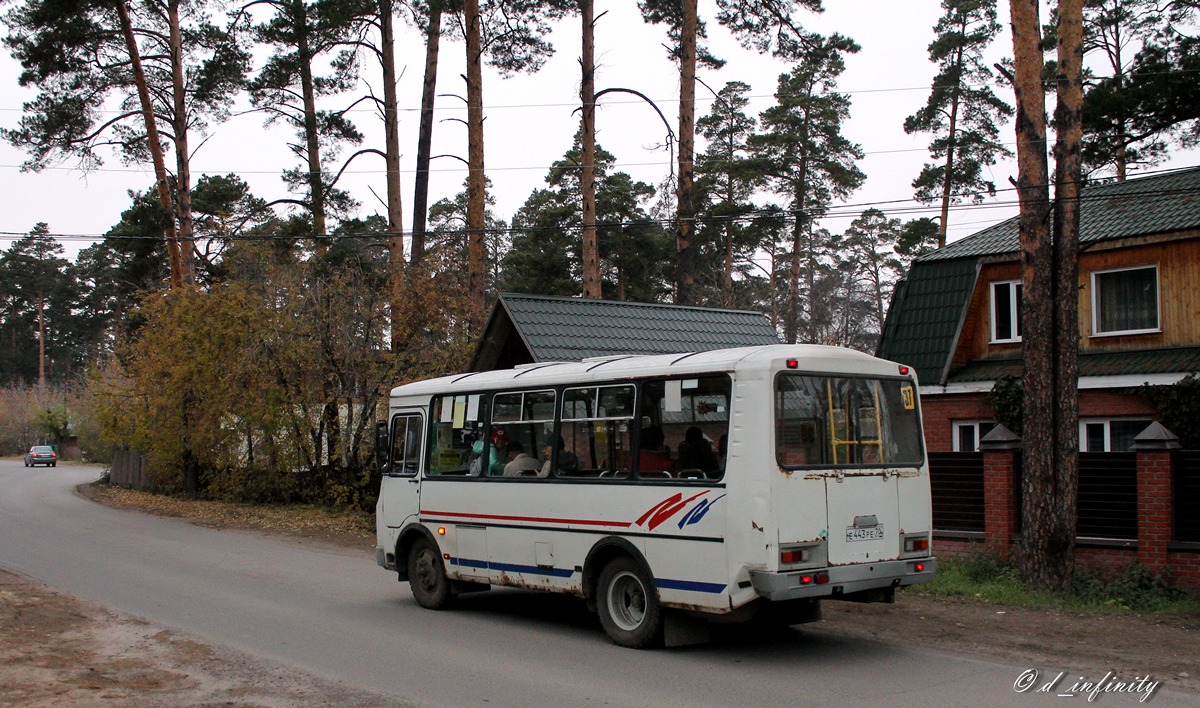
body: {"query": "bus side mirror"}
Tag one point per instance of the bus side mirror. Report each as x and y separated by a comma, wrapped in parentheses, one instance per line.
(382, 463)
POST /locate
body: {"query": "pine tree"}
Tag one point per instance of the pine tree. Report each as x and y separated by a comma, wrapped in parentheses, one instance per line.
(808, 161)
(727, 178)
(36, 298)
(962, 113)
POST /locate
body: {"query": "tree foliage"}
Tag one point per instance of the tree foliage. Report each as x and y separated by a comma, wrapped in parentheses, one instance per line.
(962, 113)
(807, 160)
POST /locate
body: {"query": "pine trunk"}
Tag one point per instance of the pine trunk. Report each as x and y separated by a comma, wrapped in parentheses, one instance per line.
(41, 341)
(476, 186)
(686, 212)
(1068, 169)
(587, 177)
(154, 143)
(425, 132)
(183, 167)
(391, 118)
(948, 179)
(1039, 497)
(316, 181)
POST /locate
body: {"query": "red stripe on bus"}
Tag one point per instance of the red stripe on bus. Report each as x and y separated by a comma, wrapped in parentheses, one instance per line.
(539, 519)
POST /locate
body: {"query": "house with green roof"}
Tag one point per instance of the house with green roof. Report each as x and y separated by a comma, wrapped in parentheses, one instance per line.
(525, 329)
(955, 318)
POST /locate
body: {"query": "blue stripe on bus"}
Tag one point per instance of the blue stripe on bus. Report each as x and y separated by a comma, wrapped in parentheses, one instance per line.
(513, 568)
(664, 583)
(692, 585)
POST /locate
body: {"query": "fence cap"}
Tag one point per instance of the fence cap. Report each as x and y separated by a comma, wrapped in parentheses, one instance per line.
(1156, 437)
(1000, 438)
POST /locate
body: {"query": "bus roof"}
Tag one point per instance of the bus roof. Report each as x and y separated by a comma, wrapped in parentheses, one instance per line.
(810, 357)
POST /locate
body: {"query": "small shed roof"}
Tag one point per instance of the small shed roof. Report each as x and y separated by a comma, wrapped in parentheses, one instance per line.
(537, 328)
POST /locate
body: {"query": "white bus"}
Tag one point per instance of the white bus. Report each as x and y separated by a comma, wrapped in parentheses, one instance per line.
(719, 485)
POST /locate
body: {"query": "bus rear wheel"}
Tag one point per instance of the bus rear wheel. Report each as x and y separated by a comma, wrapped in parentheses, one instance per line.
(628, 606)
(427, 576)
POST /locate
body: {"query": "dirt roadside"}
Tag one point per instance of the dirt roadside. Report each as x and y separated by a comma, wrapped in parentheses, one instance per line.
(56, 650)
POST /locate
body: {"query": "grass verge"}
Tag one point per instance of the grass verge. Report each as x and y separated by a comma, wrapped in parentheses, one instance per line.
(1136, 590)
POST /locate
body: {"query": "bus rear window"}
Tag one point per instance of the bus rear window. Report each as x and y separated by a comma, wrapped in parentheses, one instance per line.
(827, 421)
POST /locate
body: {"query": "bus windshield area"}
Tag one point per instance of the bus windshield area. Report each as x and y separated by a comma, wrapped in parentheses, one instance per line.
(832, 421)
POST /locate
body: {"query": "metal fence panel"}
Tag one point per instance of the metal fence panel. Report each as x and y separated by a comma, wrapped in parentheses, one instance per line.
(1107, 495)
(1185, 466)
(956, 485)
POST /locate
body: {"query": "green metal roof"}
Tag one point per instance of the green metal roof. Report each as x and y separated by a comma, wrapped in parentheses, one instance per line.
(1174, 360)
(572, 329)
(1136, 207)
(926, 313)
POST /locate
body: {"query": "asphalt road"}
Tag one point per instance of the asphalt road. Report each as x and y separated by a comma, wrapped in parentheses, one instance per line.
(336, 614)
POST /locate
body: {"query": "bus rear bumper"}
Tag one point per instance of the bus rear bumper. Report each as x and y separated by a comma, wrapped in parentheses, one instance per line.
(841, 580)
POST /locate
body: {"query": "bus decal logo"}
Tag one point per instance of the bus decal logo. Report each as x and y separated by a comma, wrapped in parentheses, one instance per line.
(698, 511)
(665, 509)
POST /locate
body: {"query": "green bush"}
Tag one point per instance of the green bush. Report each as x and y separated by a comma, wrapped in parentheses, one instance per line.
(1178, 408)
(1137, 588)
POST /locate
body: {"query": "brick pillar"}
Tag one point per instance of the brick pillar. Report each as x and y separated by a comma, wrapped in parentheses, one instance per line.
(1000, 449)
(1154, 494)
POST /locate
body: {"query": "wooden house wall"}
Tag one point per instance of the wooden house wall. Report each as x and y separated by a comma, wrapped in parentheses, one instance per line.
(1178, 294)
(1178, 263)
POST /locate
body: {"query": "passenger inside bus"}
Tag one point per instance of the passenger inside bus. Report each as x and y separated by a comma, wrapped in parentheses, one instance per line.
(521, 463)
(567, 461)
(696, 453)
(653, 458)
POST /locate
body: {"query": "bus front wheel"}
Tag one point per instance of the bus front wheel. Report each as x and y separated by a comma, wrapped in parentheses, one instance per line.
(628, 606)
(427, 576)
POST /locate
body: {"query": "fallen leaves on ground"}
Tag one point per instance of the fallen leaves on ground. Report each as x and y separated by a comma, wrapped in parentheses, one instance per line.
(346, 526)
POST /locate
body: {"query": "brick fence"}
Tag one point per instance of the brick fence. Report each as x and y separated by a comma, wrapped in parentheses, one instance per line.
(1158, 528)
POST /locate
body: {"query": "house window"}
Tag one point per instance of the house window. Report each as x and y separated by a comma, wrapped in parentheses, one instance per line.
(1125, 301)
(1006, 311)
(968, 433)
(1110, 435)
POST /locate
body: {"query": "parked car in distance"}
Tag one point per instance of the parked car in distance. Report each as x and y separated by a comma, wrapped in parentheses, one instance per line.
(41, 455)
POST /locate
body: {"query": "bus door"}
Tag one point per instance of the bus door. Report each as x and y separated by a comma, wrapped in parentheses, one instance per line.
(863, 419)
(401, 488)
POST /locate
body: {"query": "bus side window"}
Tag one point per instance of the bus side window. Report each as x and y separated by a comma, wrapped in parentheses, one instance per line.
(457, 425)
(520, 424)
(684, 428)
(597, 423)
(406, 445)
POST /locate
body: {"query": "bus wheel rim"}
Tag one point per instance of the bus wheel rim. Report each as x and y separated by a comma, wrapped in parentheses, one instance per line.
(627, 601)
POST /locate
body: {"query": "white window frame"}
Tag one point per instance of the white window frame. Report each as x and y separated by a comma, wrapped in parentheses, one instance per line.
(974, 424)
(1107, 422)
(1096, 303)
(1014, 310)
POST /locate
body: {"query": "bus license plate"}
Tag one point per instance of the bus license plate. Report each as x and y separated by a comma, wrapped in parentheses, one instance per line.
(871, 533)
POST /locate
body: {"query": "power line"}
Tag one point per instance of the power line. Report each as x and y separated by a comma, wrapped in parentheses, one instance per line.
(787, 216)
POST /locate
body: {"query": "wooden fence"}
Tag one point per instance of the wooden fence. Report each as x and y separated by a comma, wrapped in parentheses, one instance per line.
(126, 470)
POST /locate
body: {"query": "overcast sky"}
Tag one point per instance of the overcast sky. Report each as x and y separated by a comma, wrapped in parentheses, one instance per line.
(530, 123)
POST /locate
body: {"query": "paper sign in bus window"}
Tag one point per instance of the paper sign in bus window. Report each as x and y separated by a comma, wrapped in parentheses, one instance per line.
(673, 401)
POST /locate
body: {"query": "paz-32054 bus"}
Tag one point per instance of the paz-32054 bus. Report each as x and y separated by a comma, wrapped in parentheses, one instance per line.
(721, 485)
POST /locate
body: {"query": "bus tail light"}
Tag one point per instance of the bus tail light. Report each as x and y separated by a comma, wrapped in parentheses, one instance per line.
(793, 363)
(916, 544)
(795, 556)
(798, 555)
(904, 371)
